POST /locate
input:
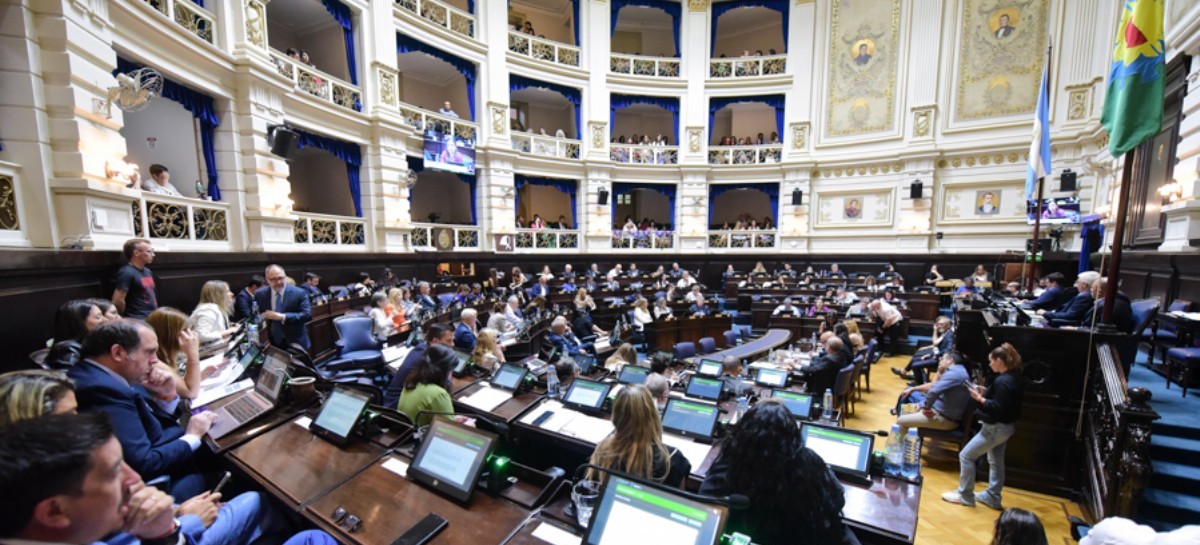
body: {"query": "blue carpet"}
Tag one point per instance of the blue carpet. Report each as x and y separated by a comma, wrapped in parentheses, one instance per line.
(1173, 497)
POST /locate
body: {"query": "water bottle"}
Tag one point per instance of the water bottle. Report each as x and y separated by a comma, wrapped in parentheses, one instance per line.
(553, 390)
(827, 405)
(743, 405)
(250, 338)
(199, 189)
(912, 454)
(893, 457)
(254, 315)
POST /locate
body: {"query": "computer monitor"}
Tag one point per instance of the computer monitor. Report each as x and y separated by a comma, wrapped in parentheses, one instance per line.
(339, 415)
(771, 378)
(848, 452)
(705, 388)
(509, 377)
(690, 418)
(451, 458)
(709, 368)
(799, 404)
(629, 512)
(633, 374)
(587, 394)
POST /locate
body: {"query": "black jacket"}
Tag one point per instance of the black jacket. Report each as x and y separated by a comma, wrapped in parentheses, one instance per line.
(1002, 401)
(822, 373)
(1122, 314)
(63, 355)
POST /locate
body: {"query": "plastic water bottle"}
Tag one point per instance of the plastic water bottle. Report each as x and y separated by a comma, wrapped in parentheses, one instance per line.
(553, 390)
(743, 405)
(254, 315)
(827, 405)
(893, 458)
(250, 338)
(912, 454)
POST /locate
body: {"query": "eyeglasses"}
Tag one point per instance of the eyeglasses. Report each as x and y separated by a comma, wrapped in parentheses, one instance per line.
(346, 521)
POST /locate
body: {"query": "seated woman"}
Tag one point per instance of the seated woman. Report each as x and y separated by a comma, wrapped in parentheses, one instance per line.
(497, 321)
(583, 301)
(641, 315)
(625, 355)
(425, 388)
(488, 353)
(34, 393)
(73, 321)
(927, 357)
(818, 307)
(794, 497)
(661, 309)
(178, 349)
(635, 445)
(381, 324)
(211, 317)
(396, 307)
(980, 274)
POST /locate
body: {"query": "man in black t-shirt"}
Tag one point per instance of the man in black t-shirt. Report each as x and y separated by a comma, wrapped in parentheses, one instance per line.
(134, 294)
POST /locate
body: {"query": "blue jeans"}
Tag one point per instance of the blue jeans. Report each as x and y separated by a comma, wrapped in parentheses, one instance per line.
(243, 520)
(992, 440)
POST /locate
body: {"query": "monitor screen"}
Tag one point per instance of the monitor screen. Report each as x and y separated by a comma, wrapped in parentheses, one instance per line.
(1054, 210)
(632, 374)
(630, 512)
(705, 388)
(692, 418)
(587, 394)
(775, 378)
(799, 404)
(447, 151)
(340, 413)
(451, 457)
(843, 449)
(509, 376)
(710, 368)
(271, 378)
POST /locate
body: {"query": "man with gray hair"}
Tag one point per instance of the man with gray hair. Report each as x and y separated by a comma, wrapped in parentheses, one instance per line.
(464, 334)
(513, 313)
(822, 372)
(1077, 308)
(564, 339)
(286, 308)
(660, 388)
(424, 299)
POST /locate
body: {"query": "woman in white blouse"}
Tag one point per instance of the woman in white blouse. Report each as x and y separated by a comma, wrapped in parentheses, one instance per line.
(211, 318)
(381, 324)
(641, 314)
(661, 308)
(583, 301)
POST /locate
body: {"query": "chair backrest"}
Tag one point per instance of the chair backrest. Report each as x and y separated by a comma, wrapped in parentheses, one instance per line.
(845, 376)
(708, 345)
(731, 338)
(338, 291)
(873, 351)
(968, 417)
(684, 350)
(1144, 310)
(355, 332)
(1179, 305)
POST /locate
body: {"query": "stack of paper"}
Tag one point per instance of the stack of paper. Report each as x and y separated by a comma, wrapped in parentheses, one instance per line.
(570, 422)
(486, 398)
(693, 451)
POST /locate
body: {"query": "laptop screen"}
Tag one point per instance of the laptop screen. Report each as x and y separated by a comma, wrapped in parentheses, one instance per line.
(633, 374)
(629, 512)
(588, 394)
(690, 418)
(844, 450)
(451, 458)
(271, 377)
(799, 404)
(775, 378)
(709, 368)
(509, 376)
(704, 388)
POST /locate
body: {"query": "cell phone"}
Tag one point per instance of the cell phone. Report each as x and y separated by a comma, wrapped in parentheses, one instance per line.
(543, 418)
(221, 484)
(423, 531)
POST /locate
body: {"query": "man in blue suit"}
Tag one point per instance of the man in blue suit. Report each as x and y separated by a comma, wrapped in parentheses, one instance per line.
(1048, 300)
(117, 377)
(1078, 307)
(464, 334)
(285, 308)
(564, 340)
(243, 304)
(424, 299)
(541, 289)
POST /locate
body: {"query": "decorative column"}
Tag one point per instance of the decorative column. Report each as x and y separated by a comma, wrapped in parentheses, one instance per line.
(597, 220)
(496, 203)
(1181, 232)
(595, 32)
(794, 219)
(693, 114)
(691, 209)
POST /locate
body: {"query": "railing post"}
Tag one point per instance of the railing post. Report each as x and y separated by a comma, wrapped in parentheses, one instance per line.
(1133, 467)
(191, 222)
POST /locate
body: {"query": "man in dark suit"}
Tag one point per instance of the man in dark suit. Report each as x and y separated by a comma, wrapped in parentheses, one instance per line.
(285, 308)
(424, 298)
(1122, 316)
(699, 308)
(243, 304)
(1075, 310)
(1048, 300)
(1005, 28)
(117, 377)
(562, 338)
(464, 334)
(312, 285)
(436, 334)
(822, 372)
(541, 289)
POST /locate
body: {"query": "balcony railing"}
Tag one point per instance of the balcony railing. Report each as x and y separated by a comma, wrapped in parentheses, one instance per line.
(643, 240)
(547, 239)
(742, 239)
(638, 65)
(745, 155)
(195, 19)
(543, 49)
(440, 14)
(318, 83)
(180, 218)
(747, 67)
(644, 155)
(550, 146)
(331, 230)
(441, 236)
(427, 122)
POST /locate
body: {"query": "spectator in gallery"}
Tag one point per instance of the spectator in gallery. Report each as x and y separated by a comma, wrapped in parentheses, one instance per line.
(448, 110)
(160, 181)
(528, 28)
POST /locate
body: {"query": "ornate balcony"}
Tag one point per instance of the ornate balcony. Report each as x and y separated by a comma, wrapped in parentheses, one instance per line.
(163, 217)
(427, 122)
(439, 236)
(440, 14)
(549, 146)
(745, 155)
(638, 65)
(547, 239)
(318, 83)
(644, 155)
(195, 19)
(543, 49)
(742, 239)
(747, 67)
(643, 240)
(329, 230)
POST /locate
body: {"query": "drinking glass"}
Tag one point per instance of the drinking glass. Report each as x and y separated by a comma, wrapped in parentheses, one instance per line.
(585, 495)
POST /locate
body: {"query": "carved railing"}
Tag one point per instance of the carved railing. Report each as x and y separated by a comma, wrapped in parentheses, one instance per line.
(10, 220)
(1116, 437)
(747, 67)
(745, 155)
(327, 229)
(165, 217)
(550, 146)
(644, 155)
(318, 83)
(638, 65)
(440, 14)
(427, 122)
(543, 49)
(439, 236)
(643, 240)
(194, 19)
(735, 239)
(547, 239)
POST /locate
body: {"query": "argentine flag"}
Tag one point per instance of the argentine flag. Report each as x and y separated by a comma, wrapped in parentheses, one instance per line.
(1039, 148)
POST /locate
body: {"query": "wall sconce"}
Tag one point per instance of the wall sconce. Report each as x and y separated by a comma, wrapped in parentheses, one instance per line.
(122, 172)
(1171, 192)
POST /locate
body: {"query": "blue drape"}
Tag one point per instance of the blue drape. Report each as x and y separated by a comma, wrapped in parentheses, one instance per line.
(575, 20)
(619, 189)
(345, 17)
(405, 44)
(202, 109)
(1093, 231)
(570, 187)
(471, 6)
(671, 104)
(516, 83)
(720, 8)
(417, 164)
(673, 9)
(348, 152)
(715, 104)
(771, 189)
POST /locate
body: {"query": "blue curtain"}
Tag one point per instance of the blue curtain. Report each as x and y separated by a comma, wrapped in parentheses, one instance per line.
(720, 8)
(673, 9)
(619, 189)
(516, 83)
(1092, 233)
(417, 164)
(471, 6)
(405, 44)
(570, 187)
(671, 104)
(575, 20)
(348, 152)
(345, 17)
(202, 109)
(771, 189)
(715, 104)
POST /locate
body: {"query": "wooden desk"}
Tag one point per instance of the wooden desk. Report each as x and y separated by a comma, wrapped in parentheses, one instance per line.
(260, 426)
(773, 339)
(664, 334)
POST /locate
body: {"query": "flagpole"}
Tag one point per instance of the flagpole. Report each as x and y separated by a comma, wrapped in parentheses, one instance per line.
(1037, 220)
(1114, 264)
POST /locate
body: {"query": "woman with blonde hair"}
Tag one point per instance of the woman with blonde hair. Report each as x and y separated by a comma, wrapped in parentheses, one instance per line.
(211, 317)
(178, 349)
(34, 393)
(625, 355)
(583, 301)
(395, 307)
(635, 445)
(488, 351)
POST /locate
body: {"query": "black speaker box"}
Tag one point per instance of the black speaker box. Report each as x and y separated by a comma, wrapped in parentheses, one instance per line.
(283, 143)
(1067, 181)
(797, 197)
(603, 197)
(914, 190)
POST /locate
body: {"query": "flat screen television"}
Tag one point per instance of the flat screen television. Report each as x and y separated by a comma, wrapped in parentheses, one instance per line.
(1054, 211)
(444, 151)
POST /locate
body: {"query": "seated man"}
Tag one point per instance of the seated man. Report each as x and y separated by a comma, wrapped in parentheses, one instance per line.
(1122, 316)
(541, 289)
(568, 285)
(435, 334)
(1048, 299)
(787, 308)
(464, 334)
(424, 298)
(583, 326)
(565, 340)
(1075, 310)
(699, 308)
(822, 372)
(513, 314)
(927, 357)
(117, 377)
(731, 378)
(944, 400)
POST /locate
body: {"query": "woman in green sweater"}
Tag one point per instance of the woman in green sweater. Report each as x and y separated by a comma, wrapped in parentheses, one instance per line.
(425, 387)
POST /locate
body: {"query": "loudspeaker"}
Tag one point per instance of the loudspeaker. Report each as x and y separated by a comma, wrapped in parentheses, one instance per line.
(797, 197)
(603, 197)
(283, 142)
(914, 190)
(1043, 245)
(1067, 181)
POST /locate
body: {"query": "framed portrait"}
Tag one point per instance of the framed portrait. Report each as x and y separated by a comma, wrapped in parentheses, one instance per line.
(853, 209)
(987, 203)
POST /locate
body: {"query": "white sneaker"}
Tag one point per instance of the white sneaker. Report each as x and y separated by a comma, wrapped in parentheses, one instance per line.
(955, 497)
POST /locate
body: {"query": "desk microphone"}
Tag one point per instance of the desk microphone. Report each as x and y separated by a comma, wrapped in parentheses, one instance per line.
(735, 502)
(499, 428)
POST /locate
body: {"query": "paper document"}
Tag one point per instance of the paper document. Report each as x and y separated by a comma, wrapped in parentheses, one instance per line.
(486, 399)
(561, 417)
(394, 355)
(396, 465)
(209, 395)
(303, 422)
(555, 535)
(219, 372)
(588, 428)
(693, 451)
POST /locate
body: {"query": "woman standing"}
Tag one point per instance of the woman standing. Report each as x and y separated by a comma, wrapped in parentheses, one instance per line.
(211, 317)
(999, 409)
(178, 349)
(635, 445)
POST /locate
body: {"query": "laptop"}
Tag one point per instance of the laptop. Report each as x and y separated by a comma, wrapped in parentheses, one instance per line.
(509, 377)
(799, 404)
(633, 374)
(451, 458)
(340, 415)
(846, 451)
(709, 368)
(254, 403)
(771, 378)
(586, 395)
(704, 388)
(629, 511)
(688, 418)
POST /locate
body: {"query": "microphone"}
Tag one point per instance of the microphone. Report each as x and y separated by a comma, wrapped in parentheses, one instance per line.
(499, 428)
(733, 501)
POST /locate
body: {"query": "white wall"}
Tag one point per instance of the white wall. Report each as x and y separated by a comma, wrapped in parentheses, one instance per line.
(552, 119)
(629, 124)
(750, 122)
(424, 94)
(325, 45)
(175, 146)
(441, 192)
(732, 42)
(646, 204)
(730, 205)
(320, 184)
(547, 202)
(551, 26)
(656, 39)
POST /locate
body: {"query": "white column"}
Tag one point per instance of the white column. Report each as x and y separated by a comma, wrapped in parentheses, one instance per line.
(693, 116)
(1181, 233)
(596, 33)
